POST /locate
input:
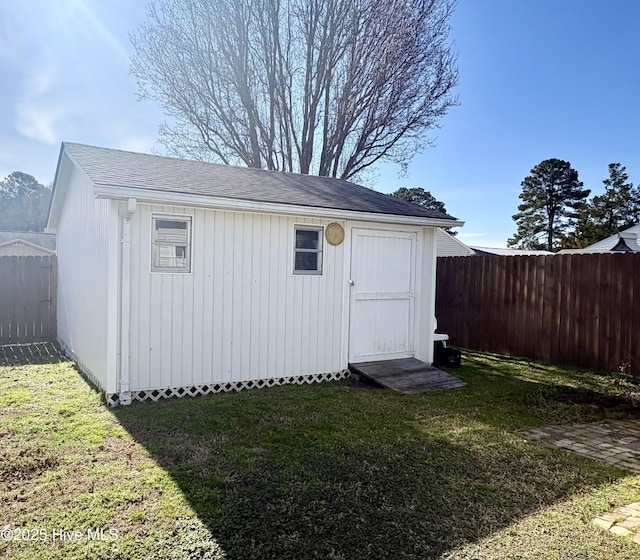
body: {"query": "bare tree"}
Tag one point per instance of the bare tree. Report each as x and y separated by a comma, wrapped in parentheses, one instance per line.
(328, 87)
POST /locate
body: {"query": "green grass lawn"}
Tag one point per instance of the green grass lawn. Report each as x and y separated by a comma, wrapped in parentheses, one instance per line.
(326, 471)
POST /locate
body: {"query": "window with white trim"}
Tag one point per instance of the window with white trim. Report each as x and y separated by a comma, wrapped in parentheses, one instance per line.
(307, 249)
(171, 244)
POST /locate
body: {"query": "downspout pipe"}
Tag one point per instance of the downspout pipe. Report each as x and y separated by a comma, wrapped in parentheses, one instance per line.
(124, 396)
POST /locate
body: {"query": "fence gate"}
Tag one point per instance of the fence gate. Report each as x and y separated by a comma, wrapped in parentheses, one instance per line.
(27, 299)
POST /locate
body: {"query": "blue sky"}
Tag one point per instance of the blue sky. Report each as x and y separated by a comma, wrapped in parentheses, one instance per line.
(538, 79)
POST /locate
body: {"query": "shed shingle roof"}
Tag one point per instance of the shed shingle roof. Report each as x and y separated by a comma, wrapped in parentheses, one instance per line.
(117, 168)
(46, 240)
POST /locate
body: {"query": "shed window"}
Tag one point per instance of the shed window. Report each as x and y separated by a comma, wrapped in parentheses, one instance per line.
(307, 254)
(171, 244)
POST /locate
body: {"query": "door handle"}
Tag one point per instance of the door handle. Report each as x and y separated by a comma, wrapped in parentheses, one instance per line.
(352, 283)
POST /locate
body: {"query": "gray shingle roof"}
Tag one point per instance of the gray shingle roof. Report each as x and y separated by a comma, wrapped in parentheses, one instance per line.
(117, 168)
(46, 240)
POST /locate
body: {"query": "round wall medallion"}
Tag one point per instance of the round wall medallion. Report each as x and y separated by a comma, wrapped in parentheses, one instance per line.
(334, 233)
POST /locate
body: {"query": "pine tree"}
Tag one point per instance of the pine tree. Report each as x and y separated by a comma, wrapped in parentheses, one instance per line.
(616, 209)
(551, 197)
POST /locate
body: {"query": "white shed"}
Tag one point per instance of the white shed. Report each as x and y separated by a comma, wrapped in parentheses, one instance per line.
(26, 244)
(183, 278)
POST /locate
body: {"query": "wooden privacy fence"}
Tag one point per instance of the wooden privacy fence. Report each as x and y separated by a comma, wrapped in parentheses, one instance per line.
(577, 309)
(27, 299)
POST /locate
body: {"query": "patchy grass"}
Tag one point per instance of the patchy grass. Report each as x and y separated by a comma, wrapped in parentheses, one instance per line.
(322, 471)
(68, 465)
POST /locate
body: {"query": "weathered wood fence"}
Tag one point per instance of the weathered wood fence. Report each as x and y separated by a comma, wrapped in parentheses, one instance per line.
(577, 309)
(27, 299)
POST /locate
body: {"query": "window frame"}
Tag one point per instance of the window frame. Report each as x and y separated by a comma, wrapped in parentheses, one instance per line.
(186, 218)
(319, 271)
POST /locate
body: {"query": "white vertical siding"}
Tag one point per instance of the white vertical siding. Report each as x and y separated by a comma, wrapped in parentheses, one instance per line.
(449, 246)
(240, 314)
(426, 301)
(87, 233)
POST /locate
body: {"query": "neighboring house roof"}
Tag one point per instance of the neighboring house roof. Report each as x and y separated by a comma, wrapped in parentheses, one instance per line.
(623, 241)
(483, 251)
(116, 170)
(42, 240)
(449, 246)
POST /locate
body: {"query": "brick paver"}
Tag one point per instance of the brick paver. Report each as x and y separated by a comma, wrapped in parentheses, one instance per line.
(623, 521)
(616, 443)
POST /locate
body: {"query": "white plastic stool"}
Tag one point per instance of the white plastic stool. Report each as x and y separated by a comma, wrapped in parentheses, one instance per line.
(441, 338)
(437, 337)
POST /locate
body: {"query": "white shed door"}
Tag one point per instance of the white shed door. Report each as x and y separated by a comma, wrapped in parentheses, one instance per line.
(382, 295)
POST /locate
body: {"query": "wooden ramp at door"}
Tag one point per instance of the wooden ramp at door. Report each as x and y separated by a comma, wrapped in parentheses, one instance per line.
(407, 375)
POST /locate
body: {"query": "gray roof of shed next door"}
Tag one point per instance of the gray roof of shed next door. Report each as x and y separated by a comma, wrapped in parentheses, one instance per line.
(45, 240)
(117, 168)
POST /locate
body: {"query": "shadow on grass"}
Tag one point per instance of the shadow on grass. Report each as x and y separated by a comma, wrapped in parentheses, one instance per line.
(533, 393)
(32, 353)
(332, 472)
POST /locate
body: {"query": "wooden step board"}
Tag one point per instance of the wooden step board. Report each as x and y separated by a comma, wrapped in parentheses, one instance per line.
(407, 376)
